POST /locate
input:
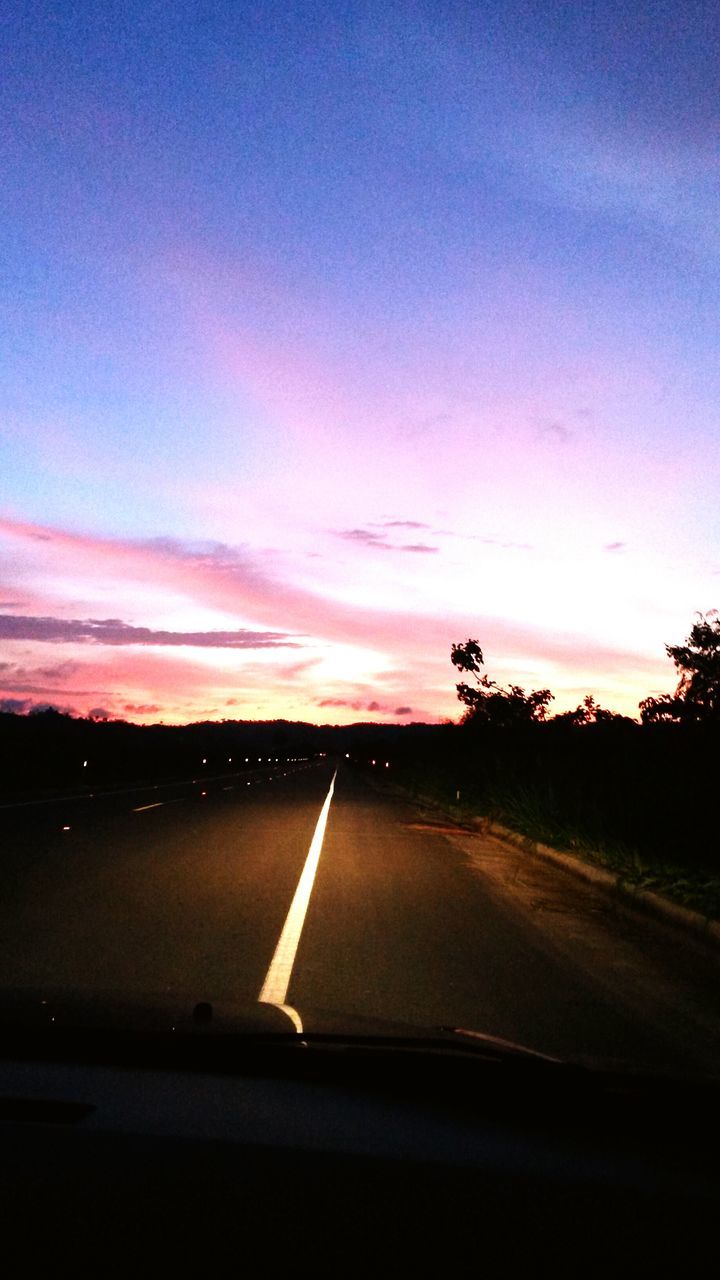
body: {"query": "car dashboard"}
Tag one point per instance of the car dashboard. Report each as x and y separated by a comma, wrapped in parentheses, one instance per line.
(345, 1152)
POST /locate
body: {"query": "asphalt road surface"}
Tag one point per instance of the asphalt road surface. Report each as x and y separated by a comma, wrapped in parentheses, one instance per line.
(196, 888)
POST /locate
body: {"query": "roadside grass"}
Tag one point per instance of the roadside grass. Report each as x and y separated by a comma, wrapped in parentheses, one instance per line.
(537, 814)
(693, 885)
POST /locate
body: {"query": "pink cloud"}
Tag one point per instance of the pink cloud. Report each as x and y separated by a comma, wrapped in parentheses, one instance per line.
(235, 581)
(243, 584)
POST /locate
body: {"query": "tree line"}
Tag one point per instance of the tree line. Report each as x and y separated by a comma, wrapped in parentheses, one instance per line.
(696, 699)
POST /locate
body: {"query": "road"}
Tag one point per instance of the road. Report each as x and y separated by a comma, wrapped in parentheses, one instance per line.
(188, 889)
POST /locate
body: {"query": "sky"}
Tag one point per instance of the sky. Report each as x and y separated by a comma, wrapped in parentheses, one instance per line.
(334, 333)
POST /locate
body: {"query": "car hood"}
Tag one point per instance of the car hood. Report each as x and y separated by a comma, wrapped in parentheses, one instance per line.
(182, 1015)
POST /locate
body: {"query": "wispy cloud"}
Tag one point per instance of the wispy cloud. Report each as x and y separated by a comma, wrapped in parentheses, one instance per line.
(399, 524)
(365, 536)
(114, 631)
(556, 431)
(45, 681)
(294, 670)
(360, 704)
(379, 542)
(503, 543)
(354, 704)
(59, 671)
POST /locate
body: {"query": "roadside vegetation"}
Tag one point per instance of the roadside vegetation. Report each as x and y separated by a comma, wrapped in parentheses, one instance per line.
(636, 796)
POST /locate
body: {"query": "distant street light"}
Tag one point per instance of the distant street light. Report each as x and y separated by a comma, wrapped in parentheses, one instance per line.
(204, 760)
(84, 764)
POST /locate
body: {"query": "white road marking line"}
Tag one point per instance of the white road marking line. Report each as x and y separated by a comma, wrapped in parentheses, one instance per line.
(293, 1015)
(142, 807)
(277, 979)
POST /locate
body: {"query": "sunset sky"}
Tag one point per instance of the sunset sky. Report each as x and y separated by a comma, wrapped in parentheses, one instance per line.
(333, 333)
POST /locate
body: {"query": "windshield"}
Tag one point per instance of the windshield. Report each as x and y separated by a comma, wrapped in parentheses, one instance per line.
(358, 531)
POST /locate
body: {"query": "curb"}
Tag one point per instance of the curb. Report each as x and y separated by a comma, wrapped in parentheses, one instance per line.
(643, 900)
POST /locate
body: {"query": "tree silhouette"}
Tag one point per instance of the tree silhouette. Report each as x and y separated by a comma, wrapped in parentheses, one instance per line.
(665, 709)
(489, 703)
(697, 697)
(588, 712)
